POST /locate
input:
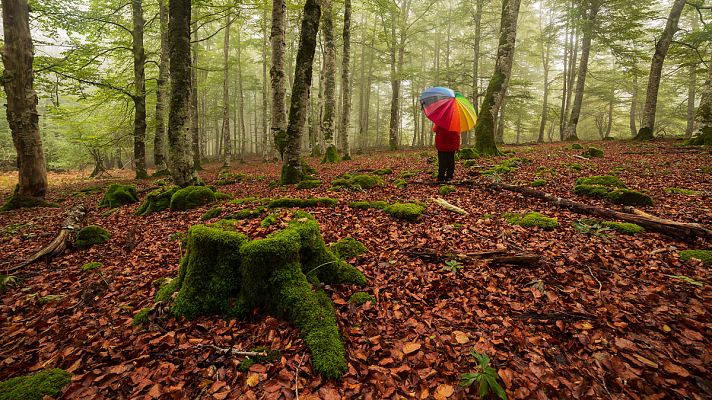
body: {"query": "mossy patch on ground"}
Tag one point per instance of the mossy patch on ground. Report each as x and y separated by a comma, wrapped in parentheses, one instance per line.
(141, 317)
(576, 146)
(91, 265)
(629, 197)
(364, 205)
(575, 166)
(91, 235)
(405, 211)
(531, 219)
(248, 200)
(358, 181)
(400, 183)
(249, 213)
(611, 188)
(686, 192)
(347, 248)
(592, 152)
(360, 298)
(592, 191)
(445, 190)
(309, 184)
(16, 201)
(538, 183)
(625, 228)
(602, 180)
(117, 195)
(704, 255)
(289, 202)
(48, 382)
(227, 178)
(191, 197)
(268, 220)
(408, 174)
(157, 200)
(468, 153)
(382, 171)
(212, 213)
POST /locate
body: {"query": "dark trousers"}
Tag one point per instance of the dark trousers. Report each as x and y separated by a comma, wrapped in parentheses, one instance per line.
(446, 165)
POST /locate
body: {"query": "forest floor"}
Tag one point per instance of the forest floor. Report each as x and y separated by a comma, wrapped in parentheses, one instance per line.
(600, 316)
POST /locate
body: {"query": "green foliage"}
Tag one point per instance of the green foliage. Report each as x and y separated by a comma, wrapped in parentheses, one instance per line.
(309, 184)
(210, 214)
(630, 198)
(17, 201)
(602, 180)
(625, 228)
(468, 153)
(91, 235)
(157, 200)
(592, 152)
(117, 195)
(48, 382)
(405, 211)
(191, 197)
(704, 255)
(288, 202)
(453, 266)
(687, 279)
(347, 248)
(538, 182)
(444, 190)
(360, 298)
(576, 146)
(383, 171)
(400, 183)
(686, 192)
(486, 378)
(91, 265)
(141, 317)
(531, 219)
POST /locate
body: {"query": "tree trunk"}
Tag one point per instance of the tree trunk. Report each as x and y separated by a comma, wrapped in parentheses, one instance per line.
(633, 106)
(327, 123)
(159, 147)
(346, 84)
(139, 97)
(574, 42)
(499, 127)
(267, 143)
(227, 142)
(562, 111)
(241, 99)
(703, 118)
(21, 108)
(647, 127)
(545, 51)
(277, 75)
(397, 52)
(195, 132)
(691, 88)
(609, 125)
(179, 119)
(588, 32)
(292, 169)
(485, 126)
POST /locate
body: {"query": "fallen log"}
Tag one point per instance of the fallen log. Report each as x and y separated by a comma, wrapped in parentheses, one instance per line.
(72, 223)
(679, 230)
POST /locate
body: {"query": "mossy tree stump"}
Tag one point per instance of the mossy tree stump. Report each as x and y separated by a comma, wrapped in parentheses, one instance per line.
(223, 272)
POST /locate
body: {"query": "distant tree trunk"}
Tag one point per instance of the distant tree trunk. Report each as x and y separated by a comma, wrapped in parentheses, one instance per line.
(397, 53)
(703, 118)
(691, 88)
(227, 142)
(139, 97)
(588, 32)
(179, 120)
(565, 72)
(519, 127)
(485, 126)
(195, 131)
(546, 38)
(477, 19)
(159, 155)
(292, 169)
(22, 117)
(609, 125)
(327, 123)
(633, 106)
(241, 98)
(267, 143)
(573, 56)
(647, 127)
(277, 75)
(346, 84)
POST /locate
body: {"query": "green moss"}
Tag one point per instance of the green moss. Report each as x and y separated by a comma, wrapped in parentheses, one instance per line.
(602, 180)
(686, 192)
(222, 196)
(88, 190)
(592, 191)
(331, 155)
(592, 152)
(157, 200)
(365, 181)
(576, 146)
(248, 200)
(400, 183)
(382, 171)
(408, 174)
(470, 163)
(141, 317)
(629, 197)
(347, 248)
(444, 190)
(117, 195)
(309, 184)
(91, 265)
(48, 382)
(531, 219)
(498, 169)
(268, 220)
(405, 211)
(378, 204)
(166, 290)
(487, 216)
(704, 255)
(538, 182)
(575, 166)
(704, 138)
(362, 205)
(91, 235)
(288, 202)
(270, 356)
(228, 178)
(246, 214)
(625, 228)
(17, 201)
(191, 197)
(468, 153)
(359, 298)
(210, 214)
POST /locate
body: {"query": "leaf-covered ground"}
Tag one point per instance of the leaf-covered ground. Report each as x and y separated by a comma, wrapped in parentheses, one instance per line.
(600, 316)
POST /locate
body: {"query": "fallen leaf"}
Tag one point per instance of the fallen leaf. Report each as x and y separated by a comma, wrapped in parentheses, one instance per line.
(675, 369)
(444, 391)
(253, 379)
(461, 337)
(411, 347)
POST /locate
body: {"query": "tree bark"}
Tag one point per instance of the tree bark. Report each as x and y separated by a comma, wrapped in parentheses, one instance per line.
(611, 101)
(292, 169)
(179, 119)
(241, 99)
(327, 123)
(545, 52)
(588, 32)
(691, 88)
(277, 75)
(195, 131)
(647, 127)
(346, 84)
(633, 106)
(227, 142)
(573, 56)
(267, 143)
(703, 118)
(397, 51)
(22, 117)
(562, 112)
(485, 126)
(159, 147)
(139, 96)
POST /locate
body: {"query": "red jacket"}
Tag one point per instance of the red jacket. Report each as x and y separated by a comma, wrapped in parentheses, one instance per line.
(446, 140)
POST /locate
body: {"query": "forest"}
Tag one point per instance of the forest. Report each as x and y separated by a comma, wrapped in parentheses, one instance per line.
(326, 199)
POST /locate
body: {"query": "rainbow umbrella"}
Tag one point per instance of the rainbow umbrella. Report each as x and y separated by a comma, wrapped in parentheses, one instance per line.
(448, 109)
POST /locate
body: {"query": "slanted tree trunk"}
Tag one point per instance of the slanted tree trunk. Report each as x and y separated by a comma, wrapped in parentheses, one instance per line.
(485, 126)
(21, 108)
(647, 127)
(227, 142)
(588, 32)
(277, 75)
(703, 118)
(633, 106)
(139, 96)
(159, 147)
(327, 123)
(292, 169)
(179, 119)
(346, 84)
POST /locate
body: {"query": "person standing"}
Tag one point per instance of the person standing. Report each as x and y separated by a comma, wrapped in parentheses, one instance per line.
(447, 143)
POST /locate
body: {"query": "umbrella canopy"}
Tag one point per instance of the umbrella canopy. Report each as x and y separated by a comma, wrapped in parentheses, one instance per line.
(448, 109)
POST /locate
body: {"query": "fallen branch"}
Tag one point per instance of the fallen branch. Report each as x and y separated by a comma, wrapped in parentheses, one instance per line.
(450, 207)
(61, 242)
(680, 230)
(515, 259)
(559, 316)
(494, 256)
(234, 352)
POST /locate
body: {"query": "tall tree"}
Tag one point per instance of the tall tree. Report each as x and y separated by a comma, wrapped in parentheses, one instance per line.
(195, 130)
(159, 155)
(485, 126)
(292, 168)
(703, 118)
(656, 67)
(327, 123)
(396, 44)
(277, 75)
(139, 96)
(227, 140)
(22, 117)
(546, 42)
(179, 118)
(346, 84)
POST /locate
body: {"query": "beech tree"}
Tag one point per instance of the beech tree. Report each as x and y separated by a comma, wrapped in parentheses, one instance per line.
(346, 85)
(139, 95)
(277, 74)
(327, 123)
(159, 156)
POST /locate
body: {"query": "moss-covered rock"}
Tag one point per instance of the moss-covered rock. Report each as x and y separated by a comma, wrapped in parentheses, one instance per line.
(247, 213)
(445, 190)
(593, 152)
(468, 153)
(227, 178)
(576, 146)
(191, 197)
(531, 219)
(405, 211)
(289, 202)
(592, 191)
(17, 201)
(629, 197)
(309, 184)
(359, 181)
(117, 195)
(222, 196)
(602, 180)
(157, 200)
(625, 228)
(48, 382)
(212, 213)
(91, 235)
(538, 183)
(347, 248)
(91, 265)
(704, 255)
(360, 298)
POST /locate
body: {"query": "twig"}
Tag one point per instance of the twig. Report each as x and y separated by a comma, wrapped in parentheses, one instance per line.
(296, 377)
(235, 352)
(594, 277)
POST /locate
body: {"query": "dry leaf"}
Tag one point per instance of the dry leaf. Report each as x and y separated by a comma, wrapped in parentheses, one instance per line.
(411, 347)
(444, 391)
(461, 337)
(253, 379)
